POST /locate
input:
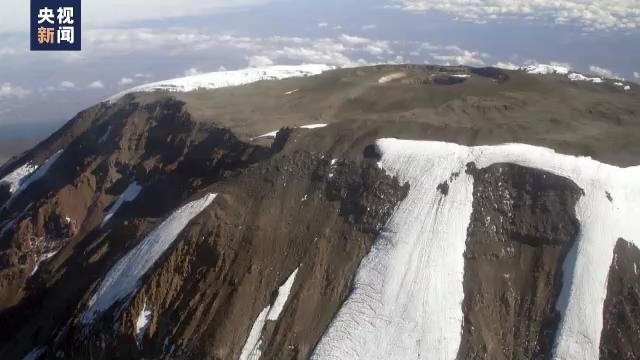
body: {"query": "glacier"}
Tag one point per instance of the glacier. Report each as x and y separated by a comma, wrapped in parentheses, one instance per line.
(544, 69)
(407, 297)
(275, 132)
(35, 175)
(130, 194)
(223, 79)
(124, 276)
(251, 349)
(580, 77)
(17, 176)
(142, 322)
(35, 353)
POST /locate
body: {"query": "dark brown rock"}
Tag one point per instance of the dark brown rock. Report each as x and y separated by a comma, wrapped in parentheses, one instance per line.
(620, 338)
(522, 227)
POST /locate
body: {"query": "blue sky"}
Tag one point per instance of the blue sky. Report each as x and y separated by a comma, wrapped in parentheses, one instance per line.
(129, 42)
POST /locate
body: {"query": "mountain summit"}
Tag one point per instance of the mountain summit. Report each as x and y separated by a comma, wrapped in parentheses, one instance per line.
(385, 212)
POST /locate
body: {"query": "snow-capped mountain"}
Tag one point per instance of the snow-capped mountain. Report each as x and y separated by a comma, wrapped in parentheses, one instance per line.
(386, 212)
(221, 79)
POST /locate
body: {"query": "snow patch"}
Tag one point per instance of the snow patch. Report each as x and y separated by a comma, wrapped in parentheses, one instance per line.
(407, 295)
(580, 77)
(269, 134)
(622, 85)
(216, 80)
(130, 193)
(18, 176)
(313, 126)
(40, 172)
(42, 258)
(104, 137)
(36, 174)
(124, 276)
(35, 353)
(142, 323)
(251, 349)
(462, 76)
(543, 69)
(273, 134)
(283, 296)
(392, 77)
(292, 92)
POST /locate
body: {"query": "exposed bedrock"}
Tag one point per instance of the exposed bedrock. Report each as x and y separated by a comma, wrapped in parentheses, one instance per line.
(296, 211)
(156, 144)
(620, 338)
(522, 227)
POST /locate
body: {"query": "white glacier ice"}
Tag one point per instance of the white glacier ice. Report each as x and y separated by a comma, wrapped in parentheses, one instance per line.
(35, 353)
(269, 134)
(622, 85)
(281, 299)
(123, 277)
(309, 127)
(142, 322)
(313, 126)
(223, 79)
(17, 176)
(251, 349)
(36, 174)
(580, 77)
(543, 69)
(105, 136)
(130, 194)
(40, 172)
(406, 300)
(41, 258)
(392, 77)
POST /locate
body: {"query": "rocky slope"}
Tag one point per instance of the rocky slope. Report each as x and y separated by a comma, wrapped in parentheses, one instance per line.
(186, 225)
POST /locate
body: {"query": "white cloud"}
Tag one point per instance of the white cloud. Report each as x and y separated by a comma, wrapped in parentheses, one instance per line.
(462, 57)
(7, 51)
(636, 75)
(600, 71)
(342, 50)
(259, 61)
(369, 27)
(67, 85)
(9, 90)
(104, 13)
(125, 81)
(96, 85)
(354, 40)
(594, 14)
(561, 64)
(323, 24)
(506, 65)
(191, 72)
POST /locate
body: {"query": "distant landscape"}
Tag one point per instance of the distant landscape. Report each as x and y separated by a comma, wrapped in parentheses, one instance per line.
(16, 138)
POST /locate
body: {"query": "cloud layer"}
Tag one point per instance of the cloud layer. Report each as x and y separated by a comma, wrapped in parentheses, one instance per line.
(102, 13)
(591, 14)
